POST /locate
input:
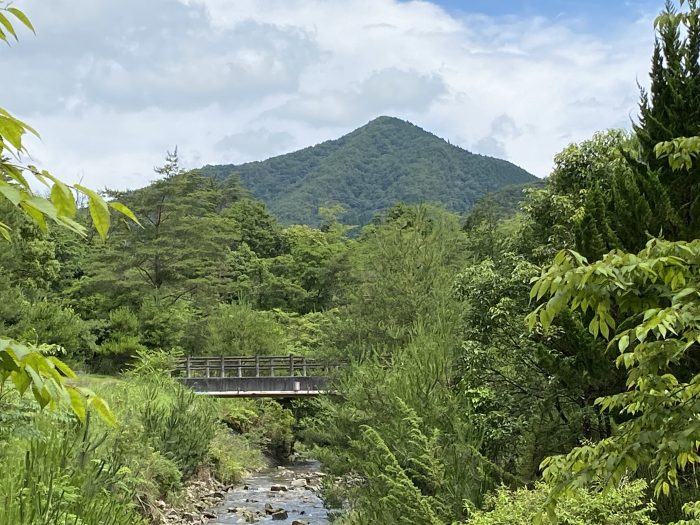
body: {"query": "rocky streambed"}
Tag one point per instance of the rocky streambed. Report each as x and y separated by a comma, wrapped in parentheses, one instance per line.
(282, 495)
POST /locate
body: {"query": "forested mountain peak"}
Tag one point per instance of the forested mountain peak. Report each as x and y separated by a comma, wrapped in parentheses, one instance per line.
(388, 125)
(388, 160)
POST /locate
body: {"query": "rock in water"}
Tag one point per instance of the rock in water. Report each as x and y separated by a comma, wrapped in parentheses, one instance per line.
(280, 515)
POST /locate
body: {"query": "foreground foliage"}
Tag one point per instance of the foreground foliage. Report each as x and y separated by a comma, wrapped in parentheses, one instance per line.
(449, 394)
(61, 471)
(654, 298)
(24, 364)
(624, 505)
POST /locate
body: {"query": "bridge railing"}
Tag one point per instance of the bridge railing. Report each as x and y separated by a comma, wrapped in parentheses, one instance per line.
(252, 366)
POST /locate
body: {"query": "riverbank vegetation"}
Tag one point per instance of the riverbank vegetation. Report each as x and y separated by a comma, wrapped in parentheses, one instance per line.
(533, 360)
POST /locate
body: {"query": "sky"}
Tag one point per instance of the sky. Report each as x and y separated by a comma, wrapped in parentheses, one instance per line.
(112, 85)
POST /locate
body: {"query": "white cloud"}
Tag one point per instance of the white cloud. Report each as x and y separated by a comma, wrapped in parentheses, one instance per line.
(255, 144)
(112, 84)
(389, 90)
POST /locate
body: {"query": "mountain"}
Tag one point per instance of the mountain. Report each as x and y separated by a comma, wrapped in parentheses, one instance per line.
(370, 169)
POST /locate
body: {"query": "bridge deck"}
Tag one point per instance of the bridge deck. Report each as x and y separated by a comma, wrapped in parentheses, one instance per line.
(274, 394)
(255, 376)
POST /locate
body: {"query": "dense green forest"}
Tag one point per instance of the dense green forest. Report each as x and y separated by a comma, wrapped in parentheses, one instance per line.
(369, 170)
(531, 361)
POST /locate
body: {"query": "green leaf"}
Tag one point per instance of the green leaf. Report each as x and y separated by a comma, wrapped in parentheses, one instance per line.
(72, 225)
(42, 205)
(35, 214)
(8, 361)
(22, 18)
(40, 395)
(63, 200)
(624, 342)
(99, 211)
(16, 174)
(102, 409)
(78, 403)
(11, 192)
(531, 320)
(684, 293)
(545, 319)
(6, 23)
(63, 367)
(11, 131)
(21, 381)
(604, 329)
(37, 208)
(118, 206)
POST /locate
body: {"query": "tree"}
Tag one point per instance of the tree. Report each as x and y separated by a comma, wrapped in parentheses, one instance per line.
(671, 110)
(403, 422)
(641, 194)
(534, 393)
(256, 227)
(647, 305)
(594, 236)
(180, 250)
(401, 270)
(593, 201)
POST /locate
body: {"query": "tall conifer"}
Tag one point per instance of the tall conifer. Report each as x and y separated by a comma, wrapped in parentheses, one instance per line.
(669, 110)
(594, 236)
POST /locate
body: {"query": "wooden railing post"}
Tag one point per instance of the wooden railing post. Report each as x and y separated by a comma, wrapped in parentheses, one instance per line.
(223, 368)
(188, 366)
(272, 366)
(207, 366)
(303, 366)
(291, 365)
(257, 366)
(240, 370)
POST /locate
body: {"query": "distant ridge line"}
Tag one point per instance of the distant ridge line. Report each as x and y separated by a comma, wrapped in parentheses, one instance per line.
(384, 162)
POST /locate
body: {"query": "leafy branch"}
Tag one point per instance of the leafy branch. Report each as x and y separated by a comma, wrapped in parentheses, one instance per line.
(26, 366)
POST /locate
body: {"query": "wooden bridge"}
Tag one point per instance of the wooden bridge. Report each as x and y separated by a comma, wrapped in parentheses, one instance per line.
(255, 376)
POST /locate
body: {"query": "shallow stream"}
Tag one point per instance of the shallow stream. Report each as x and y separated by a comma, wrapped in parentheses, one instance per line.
(262, 498)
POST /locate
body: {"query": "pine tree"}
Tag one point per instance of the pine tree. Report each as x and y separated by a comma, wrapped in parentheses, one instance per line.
(670, 109)
(594, 236)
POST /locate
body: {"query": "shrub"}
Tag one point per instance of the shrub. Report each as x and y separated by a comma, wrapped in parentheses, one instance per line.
(121, 341)
(180, 427)
(159, 476)
(272, 429)
(49, 323)
(59, 477)
(164, 325)
(267, 424)
(239, 415)
(171, 425)
(624, 505)
(154, 364)
(237, 329)
(232, 456)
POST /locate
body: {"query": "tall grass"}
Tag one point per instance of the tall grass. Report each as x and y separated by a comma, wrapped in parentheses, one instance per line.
(56, 471)
(57, 477)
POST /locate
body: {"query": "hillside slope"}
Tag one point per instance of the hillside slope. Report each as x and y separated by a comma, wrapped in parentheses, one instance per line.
(384, 162)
